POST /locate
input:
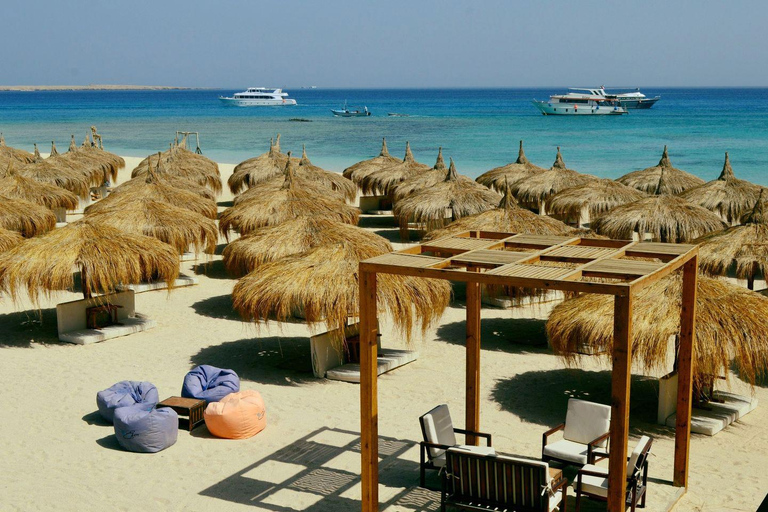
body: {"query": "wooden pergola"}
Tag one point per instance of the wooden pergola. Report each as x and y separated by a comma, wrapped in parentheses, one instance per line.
(545, 262)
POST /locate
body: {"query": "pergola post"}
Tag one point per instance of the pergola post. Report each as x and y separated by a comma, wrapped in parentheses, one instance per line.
(685, 372)
(369, 419)
(472, 396)
(620, 388)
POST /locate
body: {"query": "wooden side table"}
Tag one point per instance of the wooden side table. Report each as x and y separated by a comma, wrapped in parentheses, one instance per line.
(190, 411)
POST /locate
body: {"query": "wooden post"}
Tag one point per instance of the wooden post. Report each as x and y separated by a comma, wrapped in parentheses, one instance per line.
(472, 396)
(620, 387)
(685, 372)
(369, 426)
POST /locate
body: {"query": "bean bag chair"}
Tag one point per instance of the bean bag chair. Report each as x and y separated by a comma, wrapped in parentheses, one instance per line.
(237, 416)
(124, 393)
(144, 429)
(210, 383)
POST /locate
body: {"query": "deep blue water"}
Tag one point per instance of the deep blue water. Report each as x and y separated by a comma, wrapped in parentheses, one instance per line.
(478, 128)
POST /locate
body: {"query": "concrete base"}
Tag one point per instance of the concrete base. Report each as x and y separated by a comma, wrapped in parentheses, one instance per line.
(73, 327)
(717, 416)
(128, 326)
(182, 280)
(61, 224)
(388, 360)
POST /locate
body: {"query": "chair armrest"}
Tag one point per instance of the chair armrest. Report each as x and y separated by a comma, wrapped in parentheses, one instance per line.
(545, 435)
(484, 435)
(427, 444)
(563, 482)
(592, 455)
(586, 472)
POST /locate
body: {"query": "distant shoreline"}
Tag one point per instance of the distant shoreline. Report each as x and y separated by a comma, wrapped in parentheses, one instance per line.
(92, 87)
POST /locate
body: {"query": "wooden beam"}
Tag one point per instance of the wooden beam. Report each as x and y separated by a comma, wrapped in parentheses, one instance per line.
(685, 372)
(369, 426)
(620, 388)
(472, 396)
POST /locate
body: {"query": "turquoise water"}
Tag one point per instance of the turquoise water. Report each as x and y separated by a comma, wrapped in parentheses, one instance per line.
(478, 128)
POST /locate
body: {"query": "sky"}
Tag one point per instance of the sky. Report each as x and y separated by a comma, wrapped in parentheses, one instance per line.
(385, 44)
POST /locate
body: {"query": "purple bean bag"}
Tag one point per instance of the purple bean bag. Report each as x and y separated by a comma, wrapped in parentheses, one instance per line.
(210, 383)
(144, 429)
(125, 393)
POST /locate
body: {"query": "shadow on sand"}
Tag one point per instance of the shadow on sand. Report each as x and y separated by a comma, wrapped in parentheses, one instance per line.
(514, 335)
(23, 328)
(110, 442)
(212, 270)
(95, 418)
(219, 306)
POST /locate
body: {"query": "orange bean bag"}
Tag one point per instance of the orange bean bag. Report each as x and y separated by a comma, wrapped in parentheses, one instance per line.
(237, 416)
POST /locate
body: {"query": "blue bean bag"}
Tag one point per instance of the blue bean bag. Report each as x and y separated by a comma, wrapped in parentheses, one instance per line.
(124, 393)
(210, 383)
(144, 429)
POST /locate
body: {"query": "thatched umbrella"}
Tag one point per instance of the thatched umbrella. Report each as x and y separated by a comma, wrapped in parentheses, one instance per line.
(58, 173)
(14, 185)
(105, 256)
(179, 161)
(597, 196)
(168, 179)
(19, 155)
(293, 237)
(100, 166)
(9, 239)
(666, 217)
(25, 217)
(277, 206)
(384, 180)
(731, 323)
(176, 226)
(323, 282)
(647, 179)
(727, 196)
(422, 180)
(359, 170)
(332, 180)
(498, 177)
(257, 169)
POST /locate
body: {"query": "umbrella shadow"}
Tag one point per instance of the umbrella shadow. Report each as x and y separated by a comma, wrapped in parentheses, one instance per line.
(23, 328)
(270, 360)
(225, 204)
(220, 249)
(219, 306)
(513, 335)
(212, 269)
(377, 221)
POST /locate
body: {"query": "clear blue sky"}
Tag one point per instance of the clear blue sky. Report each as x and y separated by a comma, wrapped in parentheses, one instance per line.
(392, 43)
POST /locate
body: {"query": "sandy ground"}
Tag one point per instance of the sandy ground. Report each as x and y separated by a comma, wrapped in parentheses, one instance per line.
(58, 455)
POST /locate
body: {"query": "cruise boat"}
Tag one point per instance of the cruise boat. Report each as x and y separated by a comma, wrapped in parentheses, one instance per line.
(259, 96)
(580, 102)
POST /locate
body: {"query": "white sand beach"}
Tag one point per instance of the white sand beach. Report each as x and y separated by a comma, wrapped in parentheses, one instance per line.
(57, 454)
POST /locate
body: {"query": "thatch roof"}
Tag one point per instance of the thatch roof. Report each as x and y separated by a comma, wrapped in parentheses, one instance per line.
(91, 159)
(105, 256)
(14, 185)
(423, 180)
(647, 179)
(176, 226)
(258, 169)
(9, 239)
(324, 284)
(293, 237)
(7, 152)
(359, 170)
(727, 196)
(168, 179)
(731, 323)
(25, 217)
(599, 196)
(510, 173)
(332, 180)
(181, 162)
(384, 180)
(540, 186)
(59, 173)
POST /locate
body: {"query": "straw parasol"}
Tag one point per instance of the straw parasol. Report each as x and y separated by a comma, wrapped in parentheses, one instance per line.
(597, 196)
(179, 161)
(384, 180)
(359, 170)
(647, 179)
(105, 257)
(9, 153)
(536, 189)
(293, 237)
(422, 180)
(517, 170)
(176, 226)
(9, 239)
(666, 217)
(257, 169)
(331, 180)
(25, 217)
(100, 166)
(727, 196)
(731, 323)
(57, 172)
(14, 185)
(323, 282)
(168, 179)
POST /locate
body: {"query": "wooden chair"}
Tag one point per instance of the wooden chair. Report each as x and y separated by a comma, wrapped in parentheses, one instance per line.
(592, 481)
(499, 482)
(439, 435)
(585, 435)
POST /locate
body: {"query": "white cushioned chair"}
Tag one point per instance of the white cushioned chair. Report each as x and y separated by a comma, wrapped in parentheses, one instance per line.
(439, 435)
(585, 434)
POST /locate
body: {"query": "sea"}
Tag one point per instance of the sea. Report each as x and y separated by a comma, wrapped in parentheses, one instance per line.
(478, 128)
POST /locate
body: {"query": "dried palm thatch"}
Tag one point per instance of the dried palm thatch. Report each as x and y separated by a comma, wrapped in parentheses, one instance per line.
(293, 237)
(25, 217)
(19, 155)
(647, 179)
(13, 185)
(731, 323)
(519, 169)
(727, 196)
(257, 169)
(422, 180)
(100, 166)
(384, 180)
(359, 170)
(598, 196)
(58, 173)
(331, 180)
(168, 179)
(9, 239)
(179, 161)
(105, 256)
(176, 226)
(323, 282)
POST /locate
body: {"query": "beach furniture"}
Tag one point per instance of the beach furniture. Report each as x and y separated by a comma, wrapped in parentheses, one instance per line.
(189, 410)
(592, 481)
(585, 434)
(440, 435)
(498, 482)
(123, 394)
(209, 383)
(237, 416)
(72, 319)
(142, 428)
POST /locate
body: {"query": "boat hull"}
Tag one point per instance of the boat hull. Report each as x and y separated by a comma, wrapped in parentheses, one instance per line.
(642, 103)
(566, 109)
(238, 102)
(345, 113)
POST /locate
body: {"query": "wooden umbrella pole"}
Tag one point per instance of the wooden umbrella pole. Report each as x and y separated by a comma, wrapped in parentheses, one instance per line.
(84, 284)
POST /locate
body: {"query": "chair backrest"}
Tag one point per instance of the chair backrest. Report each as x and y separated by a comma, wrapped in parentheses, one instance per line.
(437, 427)
(507, 481)
(639, 455)
(586, 421)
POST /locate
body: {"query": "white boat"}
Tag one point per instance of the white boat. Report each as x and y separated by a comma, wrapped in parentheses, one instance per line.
(259, 96)
(635, 99)
(580, 102)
